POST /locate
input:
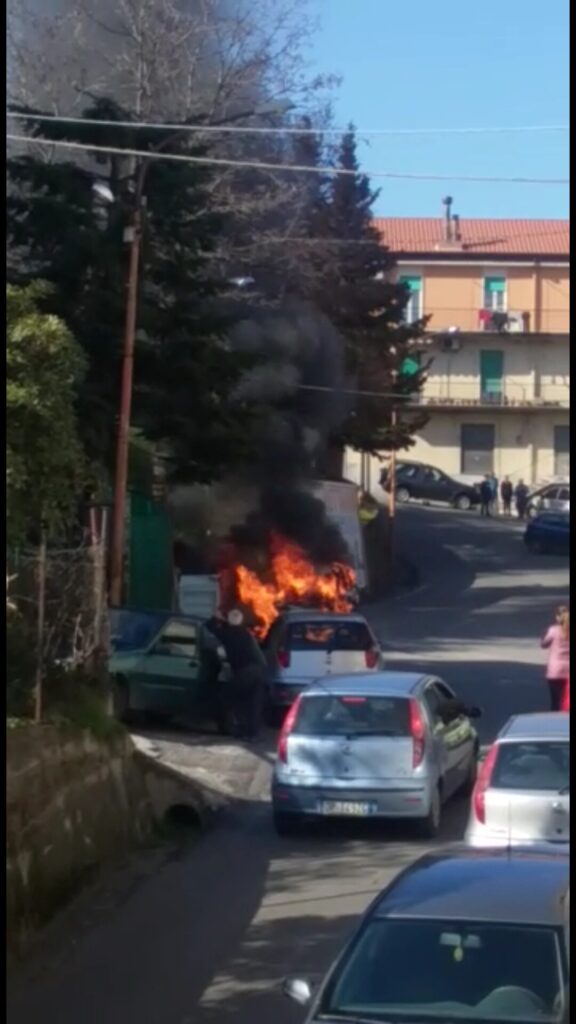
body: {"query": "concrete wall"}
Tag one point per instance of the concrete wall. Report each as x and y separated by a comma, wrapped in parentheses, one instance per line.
(72, 803)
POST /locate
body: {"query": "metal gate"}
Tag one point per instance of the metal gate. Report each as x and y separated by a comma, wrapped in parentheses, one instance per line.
(150, 573)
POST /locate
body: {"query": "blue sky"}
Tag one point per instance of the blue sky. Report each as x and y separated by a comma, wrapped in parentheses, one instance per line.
(454, 63)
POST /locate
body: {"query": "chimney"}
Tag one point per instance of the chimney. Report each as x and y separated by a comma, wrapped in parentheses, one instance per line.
(447, 202)
(452, 237)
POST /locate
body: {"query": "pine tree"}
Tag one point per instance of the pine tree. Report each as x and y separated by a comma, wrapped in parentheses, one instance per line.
(184, 373)
(363, 300)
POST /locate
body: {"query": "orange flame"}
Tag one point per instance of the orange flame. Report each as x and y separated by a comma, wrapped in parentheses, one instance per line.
(293, 579)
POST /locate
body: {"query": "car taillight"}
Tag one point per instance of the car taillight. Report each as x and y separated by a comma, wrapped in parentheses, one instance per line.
(283, 658)
(287, 729)
(371, 657)
(482, 784)
(417, 732)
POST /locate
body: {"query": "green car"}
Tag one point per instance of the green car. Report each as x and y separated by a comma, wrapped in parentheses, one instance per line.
(175, 675)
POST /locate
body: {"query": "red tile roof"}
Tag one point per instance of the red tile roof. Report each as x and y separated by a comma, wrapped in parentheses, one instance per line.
(483, 237)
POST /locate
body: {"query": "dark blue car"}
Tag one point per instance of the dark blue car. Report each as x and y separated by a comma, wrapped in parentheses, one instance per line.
(548, 534)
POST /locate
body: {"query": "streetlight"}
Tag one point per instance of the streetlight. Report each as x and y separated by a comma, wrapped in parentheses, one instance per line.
(133, 235)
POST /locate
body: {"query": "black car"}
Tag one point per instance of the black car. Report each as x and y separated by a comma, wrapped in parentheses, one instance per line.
(464, 935)
(417, 480)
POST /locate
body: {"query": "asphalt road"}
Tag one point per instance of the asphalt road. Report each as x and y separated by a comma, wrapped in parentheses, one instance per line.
(207, 937)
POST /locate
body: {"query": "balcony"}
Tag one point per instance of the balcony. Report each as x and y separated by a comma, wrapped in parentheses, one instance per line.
(512, 396)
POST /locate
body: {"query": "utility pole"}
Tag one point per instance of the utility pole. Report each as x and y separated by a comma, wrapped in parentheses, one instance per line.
(392, 491)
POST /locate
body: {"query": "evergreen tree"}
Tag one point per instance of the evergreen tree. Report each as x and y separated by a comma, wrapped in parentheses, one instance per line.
(58, 230)
(364, 301)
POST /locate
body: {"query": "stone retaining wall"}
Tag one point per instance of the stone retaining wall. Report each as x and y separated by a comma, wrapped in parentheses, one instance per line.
(72, 803)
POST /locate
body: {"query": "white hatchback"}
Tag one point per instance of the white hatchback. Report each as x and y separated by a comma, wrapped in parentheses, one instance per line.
(522, 794)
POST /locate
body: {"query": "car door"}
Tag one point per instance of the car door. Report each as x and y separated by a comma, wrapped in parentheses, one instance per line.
(453, 738)
(167, 678)
(434, 486)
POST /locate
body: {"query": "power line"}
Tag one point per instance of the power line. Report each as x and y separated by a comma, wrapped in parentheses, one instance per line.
(265, 166)
(285, 130)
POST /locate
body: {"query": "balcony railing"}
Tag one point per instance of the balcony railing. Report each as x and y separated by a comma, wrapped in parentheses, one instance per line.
(456, 394)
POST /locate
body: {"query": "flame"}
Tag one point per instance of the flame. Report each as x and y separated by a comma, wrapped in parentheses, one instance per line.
(292, 579)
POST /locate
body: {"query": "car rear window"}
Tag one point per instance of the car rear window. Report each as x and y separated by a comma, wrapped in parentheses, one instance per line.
(321, 635)
(467, 971)
(532, 766)
(352, 716)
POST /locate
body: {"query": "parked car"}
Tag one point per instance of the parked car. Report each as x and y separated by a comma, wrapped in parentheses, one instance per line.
(548, 534)
(462, 936)
(170, 674)
(523, 788)
(376, 745)
(132, 629)
(552, 498)
(302, 646)
(417, 480)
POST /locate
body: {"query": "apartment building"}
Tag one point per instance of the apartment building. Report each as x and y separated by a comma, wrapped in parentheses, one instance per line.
(497, 293)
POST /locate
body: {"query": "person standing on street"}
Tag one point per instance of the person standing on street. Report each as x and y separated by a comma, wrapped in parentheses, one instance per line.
(506, 495)
(493, 481)
(521, 497)
(485, 497)
(244, 695)
(557, 643)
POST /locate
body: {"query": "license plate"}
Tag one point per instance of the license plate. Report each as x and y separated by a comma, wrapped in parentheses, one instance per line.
(346, 808)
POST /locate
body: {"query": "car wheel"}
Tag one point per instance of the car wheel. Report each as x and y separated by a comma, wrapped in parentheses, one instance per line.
(429, 826)
(286, 824)
(463, 503)
(402, 495)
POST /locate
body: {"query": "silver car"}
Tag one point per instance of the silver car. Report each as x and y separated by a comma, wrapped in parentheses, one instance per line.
(523, 789)
(306, 645)
(377, 745)
(552, 498)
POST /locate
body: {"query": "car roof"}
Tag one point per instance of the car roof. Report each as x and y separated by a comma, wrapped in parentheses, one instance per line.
(368, 684)
(312, 614)
(521, 886)
(542, 725)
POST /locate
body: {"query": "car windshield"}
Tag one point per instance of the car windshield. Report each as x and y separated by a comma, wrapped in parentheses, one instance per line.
(532, 766)
(352, 715)
(412, 970)
(331, 635)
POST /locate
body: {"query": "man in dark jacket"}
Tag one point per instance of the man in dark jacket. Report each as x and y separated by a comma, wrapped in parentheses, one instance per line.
(244, 695)
(521, 496)
(506, 494)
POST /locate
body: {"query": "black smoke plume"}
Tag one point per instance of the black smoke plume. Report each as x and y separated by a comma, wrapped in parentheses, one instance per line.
(301, 380)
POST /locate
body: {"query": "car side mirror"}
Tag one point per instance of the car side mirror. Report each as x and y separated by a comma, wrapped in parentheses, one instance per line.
(298, 990)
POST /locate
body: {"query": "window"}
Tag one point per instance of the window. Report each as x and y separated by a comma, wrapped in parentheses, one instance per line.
(320, 635)
(562, 451)
(477, 448)
(413, 310)
(353, 715)
(179, 639)
(495, 294)
(466, 965)
(532, 766)
(492, 376)
(433, 476)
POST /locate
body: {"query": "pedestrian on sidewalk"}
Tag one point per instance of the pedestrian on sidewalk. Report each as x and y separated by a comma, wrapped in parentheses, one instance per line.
(493, 481)
(521, 497)
(557, 643)
(506, 495)
(485, 497)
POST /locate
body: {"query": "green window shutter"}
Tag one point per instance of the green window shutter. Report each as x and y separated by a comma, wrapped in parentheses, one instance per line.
(494, 284)
(410, 366)
(491, 373)
(414, 283)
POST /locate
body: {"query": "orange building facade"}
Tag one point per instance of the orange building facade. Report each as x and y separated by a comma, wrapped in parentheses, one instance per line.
(498, 389)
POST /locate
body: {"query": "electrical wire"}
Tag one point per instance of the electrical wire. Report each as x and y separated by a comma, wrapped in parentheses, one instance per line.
(284, 130)
(265, 166)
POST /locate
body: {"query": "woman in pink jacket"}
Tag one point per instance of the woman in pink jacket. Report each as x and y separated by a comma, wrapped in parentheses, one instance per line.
(557, 643)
